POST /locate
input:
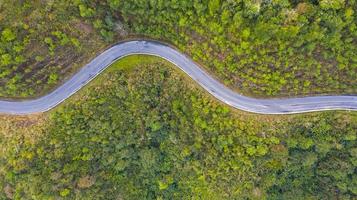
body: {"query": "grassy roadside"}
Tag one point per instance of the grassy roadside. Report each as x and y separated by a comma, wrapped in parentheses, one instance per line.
(130, 63)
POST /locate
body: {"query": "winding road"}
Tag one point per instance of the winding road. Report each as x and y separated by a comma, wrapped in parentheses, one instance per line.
(215, 88)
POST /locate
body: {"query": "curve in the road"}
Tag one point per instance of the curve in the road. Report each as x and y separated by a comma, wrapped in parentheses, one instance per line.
(218, 90)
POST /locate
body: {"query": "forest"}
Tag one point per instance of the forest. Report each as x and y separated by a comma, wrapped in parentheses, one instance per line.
(260, 48)
(142, 130)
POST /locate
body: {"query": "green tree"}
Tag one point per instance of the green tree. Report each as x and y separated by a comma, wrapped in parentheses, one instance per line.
(8, 35)
(332, 4)
(213, 6)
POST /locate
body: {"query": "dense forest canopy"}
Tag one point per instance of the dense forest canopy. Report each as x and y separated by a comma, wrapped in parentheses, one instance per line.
(259, 47)
(147, 133)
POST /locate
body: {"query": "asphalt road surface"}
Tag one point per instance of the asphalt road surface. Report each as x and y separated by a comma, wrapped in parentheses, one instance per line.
(215, 88)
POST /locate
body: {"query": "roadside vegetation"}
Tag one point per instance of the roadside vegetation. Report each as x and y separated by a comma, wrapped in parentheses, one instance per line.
(41, 43)
(261, 48)
(142, 130)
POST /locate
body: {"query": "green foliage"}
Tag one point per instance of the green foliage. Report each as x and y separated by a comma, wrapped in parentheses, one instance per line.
(114, 4)
(107, 35)
(213, 6)
(52, 78)
(8, 35)
(145, 133)
(263, 48)
(36, 36)
(332, 4)
(65, 192)
(85, 11)
(306, 170)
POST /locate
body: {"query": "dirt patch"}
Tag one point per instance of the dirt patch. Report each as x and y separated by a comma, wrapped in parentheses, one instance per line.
(86, 181)
(84, 27)
(120, 29)
(29, 128)
(9, 192)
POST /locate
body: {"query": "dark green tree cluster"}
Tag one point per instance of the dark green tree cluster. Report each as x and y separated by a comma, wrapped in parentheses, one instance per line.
(147, 134)
(321, 161)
